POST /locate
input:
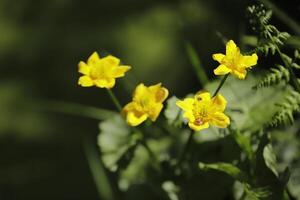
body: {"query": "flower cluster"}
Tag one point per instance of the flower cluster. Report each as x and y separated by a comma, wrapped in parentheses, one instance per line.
(147, 102)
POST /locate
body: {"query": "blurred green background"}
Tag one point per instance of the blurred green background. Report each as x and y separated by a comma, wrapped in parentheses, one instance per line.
(41, 42)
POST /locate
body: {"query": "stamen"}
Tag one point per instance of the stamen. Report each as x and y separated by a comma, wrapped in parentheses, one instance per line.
(198, 121)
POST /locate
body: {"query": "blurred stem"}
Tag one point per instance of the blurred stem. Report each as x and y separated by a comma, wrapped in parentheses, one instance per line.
(196, 63)
(76, 109)
(97, 170)
(151, 154)
(114, 99)
(186, 147)
(221, 84)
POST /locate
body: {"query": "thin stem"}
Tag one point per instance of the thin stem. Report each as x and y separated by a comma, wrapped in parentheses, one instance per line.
(186, 147)
(221, 84)
(96, 166)
(115, 100)
(151, 153)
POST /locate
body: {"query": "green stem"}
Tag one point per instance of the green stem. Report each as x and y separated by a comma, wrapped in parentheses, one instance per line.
(115, 100)
(186, 147)
(97, 169)
(150, 152)
(221, 84)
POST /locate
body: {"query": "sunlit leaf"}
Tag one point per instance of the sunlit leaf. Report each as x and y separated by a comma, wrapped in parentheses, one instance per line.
(270, 158)
(227, 168)
(172, 112)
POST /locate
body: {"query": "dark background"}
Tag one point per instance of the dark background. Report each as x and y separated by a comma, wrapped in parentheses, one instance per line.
(41, 42)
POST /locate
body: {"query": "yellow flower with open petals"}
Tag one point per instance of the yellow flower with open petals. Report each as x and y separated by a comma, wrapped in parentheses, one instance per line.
(234, 62)
(101, 72)
(146, 102)
(203, 110)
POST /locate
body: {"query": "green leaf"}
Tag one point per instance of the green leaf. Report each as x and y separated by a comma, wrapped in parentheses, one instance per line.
(171, 189)
(256, 193)
(122, 151)
(173, 112)
(114, 140)
(227, 168)
(270, 158)
(244, 141)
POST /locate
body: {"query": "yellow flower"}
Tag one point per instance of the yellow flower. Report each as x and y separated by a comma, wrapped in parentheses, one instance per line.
(234, 62)
(203, 110)
(101, 72)
(146, 102)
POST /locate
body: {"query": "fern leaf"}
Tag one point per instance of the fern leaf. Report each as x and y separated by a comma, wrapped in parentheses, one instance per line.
(274, 77)
(285, 115)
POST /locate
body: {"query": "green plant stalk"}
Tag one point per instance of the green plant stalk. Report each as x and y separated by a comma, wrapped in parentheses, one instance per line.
(220, 85)
(101, 180)
(115, 100)
(186, 148)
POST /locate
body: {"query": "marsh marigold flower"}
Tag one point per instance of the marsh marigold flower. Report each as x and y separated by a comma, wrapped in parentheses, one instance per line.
(146, 102)
(234, 62)
(101, 72)
(203, 110)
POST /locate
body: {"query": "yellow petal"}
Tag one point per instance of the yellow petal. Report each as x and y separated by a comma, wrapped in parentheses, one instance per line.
(241, 74)
(139, 92)
(231, 49)
(120, 71)
(84, 68)
(249, 61)
(155, 88)
(111, 60)
(134, 120)
(105, 83)
(159, 92)
(198, 127)
(187, 104)
(93, 59)
(220, 120)
(130, 107)
(155, 111)
(218, 57)
(222, 70)
(85, 81)
(189, 116)
(219, 102)
(202, 96)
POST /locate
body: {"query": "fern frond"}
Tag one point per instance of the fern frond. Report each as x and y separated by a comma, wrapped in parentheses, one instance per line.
(285, 115)
(270, 38)
(274, 77)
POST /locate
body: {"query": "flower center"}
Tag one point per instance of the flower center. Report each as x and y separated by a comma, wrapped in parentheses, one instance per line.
(200, 112)
(97, 72)
(199, 121)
